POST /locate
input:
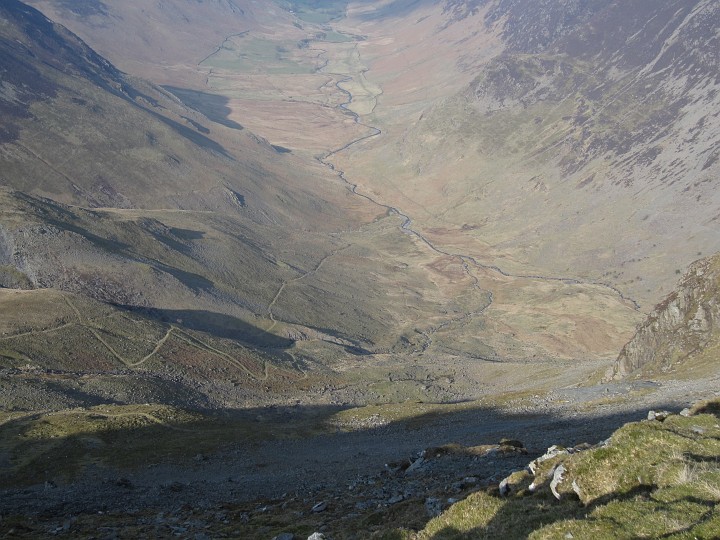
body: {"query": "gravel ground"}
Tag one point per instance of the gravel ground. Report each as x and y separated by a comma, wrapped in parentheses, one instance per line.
(335, 465)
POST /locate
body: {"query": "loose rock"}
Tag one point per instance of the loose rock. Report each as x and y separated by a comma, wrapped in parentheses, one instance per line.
(557, 480)
(416, 466)
(320, 507)
(660, 416)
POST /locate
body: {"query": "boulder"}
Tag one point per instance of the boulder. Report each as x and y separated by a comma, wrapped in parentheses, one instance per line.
(511, 442)
(416, 466)
(660, 416)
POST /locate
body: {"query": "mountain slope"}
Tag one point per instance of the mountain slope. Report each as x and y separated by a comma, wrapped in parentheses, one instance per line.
(84, 133)
(169, 39)
(680, 338)
(585, 146)
(649, 479)
(189, 217)
(60, 350)
(114, 190)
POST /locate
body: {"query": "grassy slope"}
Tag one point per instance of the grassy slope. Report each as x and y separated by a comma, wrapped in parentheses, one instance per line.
(651, 480)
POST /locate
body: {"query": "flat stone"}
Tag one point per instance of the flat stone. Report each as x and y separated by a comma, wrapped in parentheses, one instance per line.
(416, 466)
(320, 507)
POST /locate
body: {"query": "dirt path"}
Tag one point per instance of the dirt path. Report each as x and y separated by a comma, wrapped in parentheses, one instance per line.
(284, 284)
(156, 349)
(192, 340)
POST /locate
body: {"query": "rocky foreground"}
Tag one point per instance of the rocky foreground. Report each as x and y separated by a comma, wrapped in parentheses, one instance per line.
(658, 477)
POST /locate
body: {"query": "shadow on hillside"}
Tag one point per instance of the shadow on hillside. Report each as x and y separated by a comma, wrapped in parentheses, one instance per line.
(213, 106)
(299, 441)
(196, 135)
(231, 457)
(219, 325)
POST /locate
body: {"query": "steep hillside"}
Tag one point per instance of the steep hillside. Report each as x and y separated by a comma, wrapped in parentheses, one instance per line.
(168, 39)
(353, 263)
(680, 338)
(60, 351)
(80, 131)
(585, 146)
(114, 190)
(119, 193)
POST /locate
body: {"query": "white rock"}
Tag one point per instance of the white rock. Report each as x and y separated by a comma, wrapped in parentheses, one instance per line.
(504, 487)
(557, 480)
(576, 489)
(552, 452)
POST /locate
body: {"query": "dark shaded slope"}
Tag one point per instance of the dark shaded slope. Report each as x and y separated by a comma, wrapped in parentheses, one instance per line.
(45, 64)
(78, 130)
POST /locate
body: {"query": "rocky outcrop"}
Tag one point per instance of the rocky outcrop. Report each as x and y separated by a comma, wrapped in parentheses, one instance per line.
(682, 325)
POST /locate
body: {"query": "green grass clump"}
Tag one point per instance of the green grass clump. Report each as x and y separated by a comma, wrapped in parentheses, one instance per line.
(652, 480)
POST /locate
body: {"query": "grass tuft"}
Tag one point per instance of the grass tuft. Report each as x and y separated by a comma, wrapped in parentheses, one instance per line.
(653, 479)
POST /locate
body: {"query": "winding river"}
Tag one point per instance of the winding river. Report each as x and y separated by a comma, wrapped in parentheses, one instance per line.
(407, 224)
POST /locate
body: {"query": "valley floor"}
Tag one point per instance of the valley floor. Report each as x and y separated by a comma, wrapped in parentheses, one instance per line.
(338, 378)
